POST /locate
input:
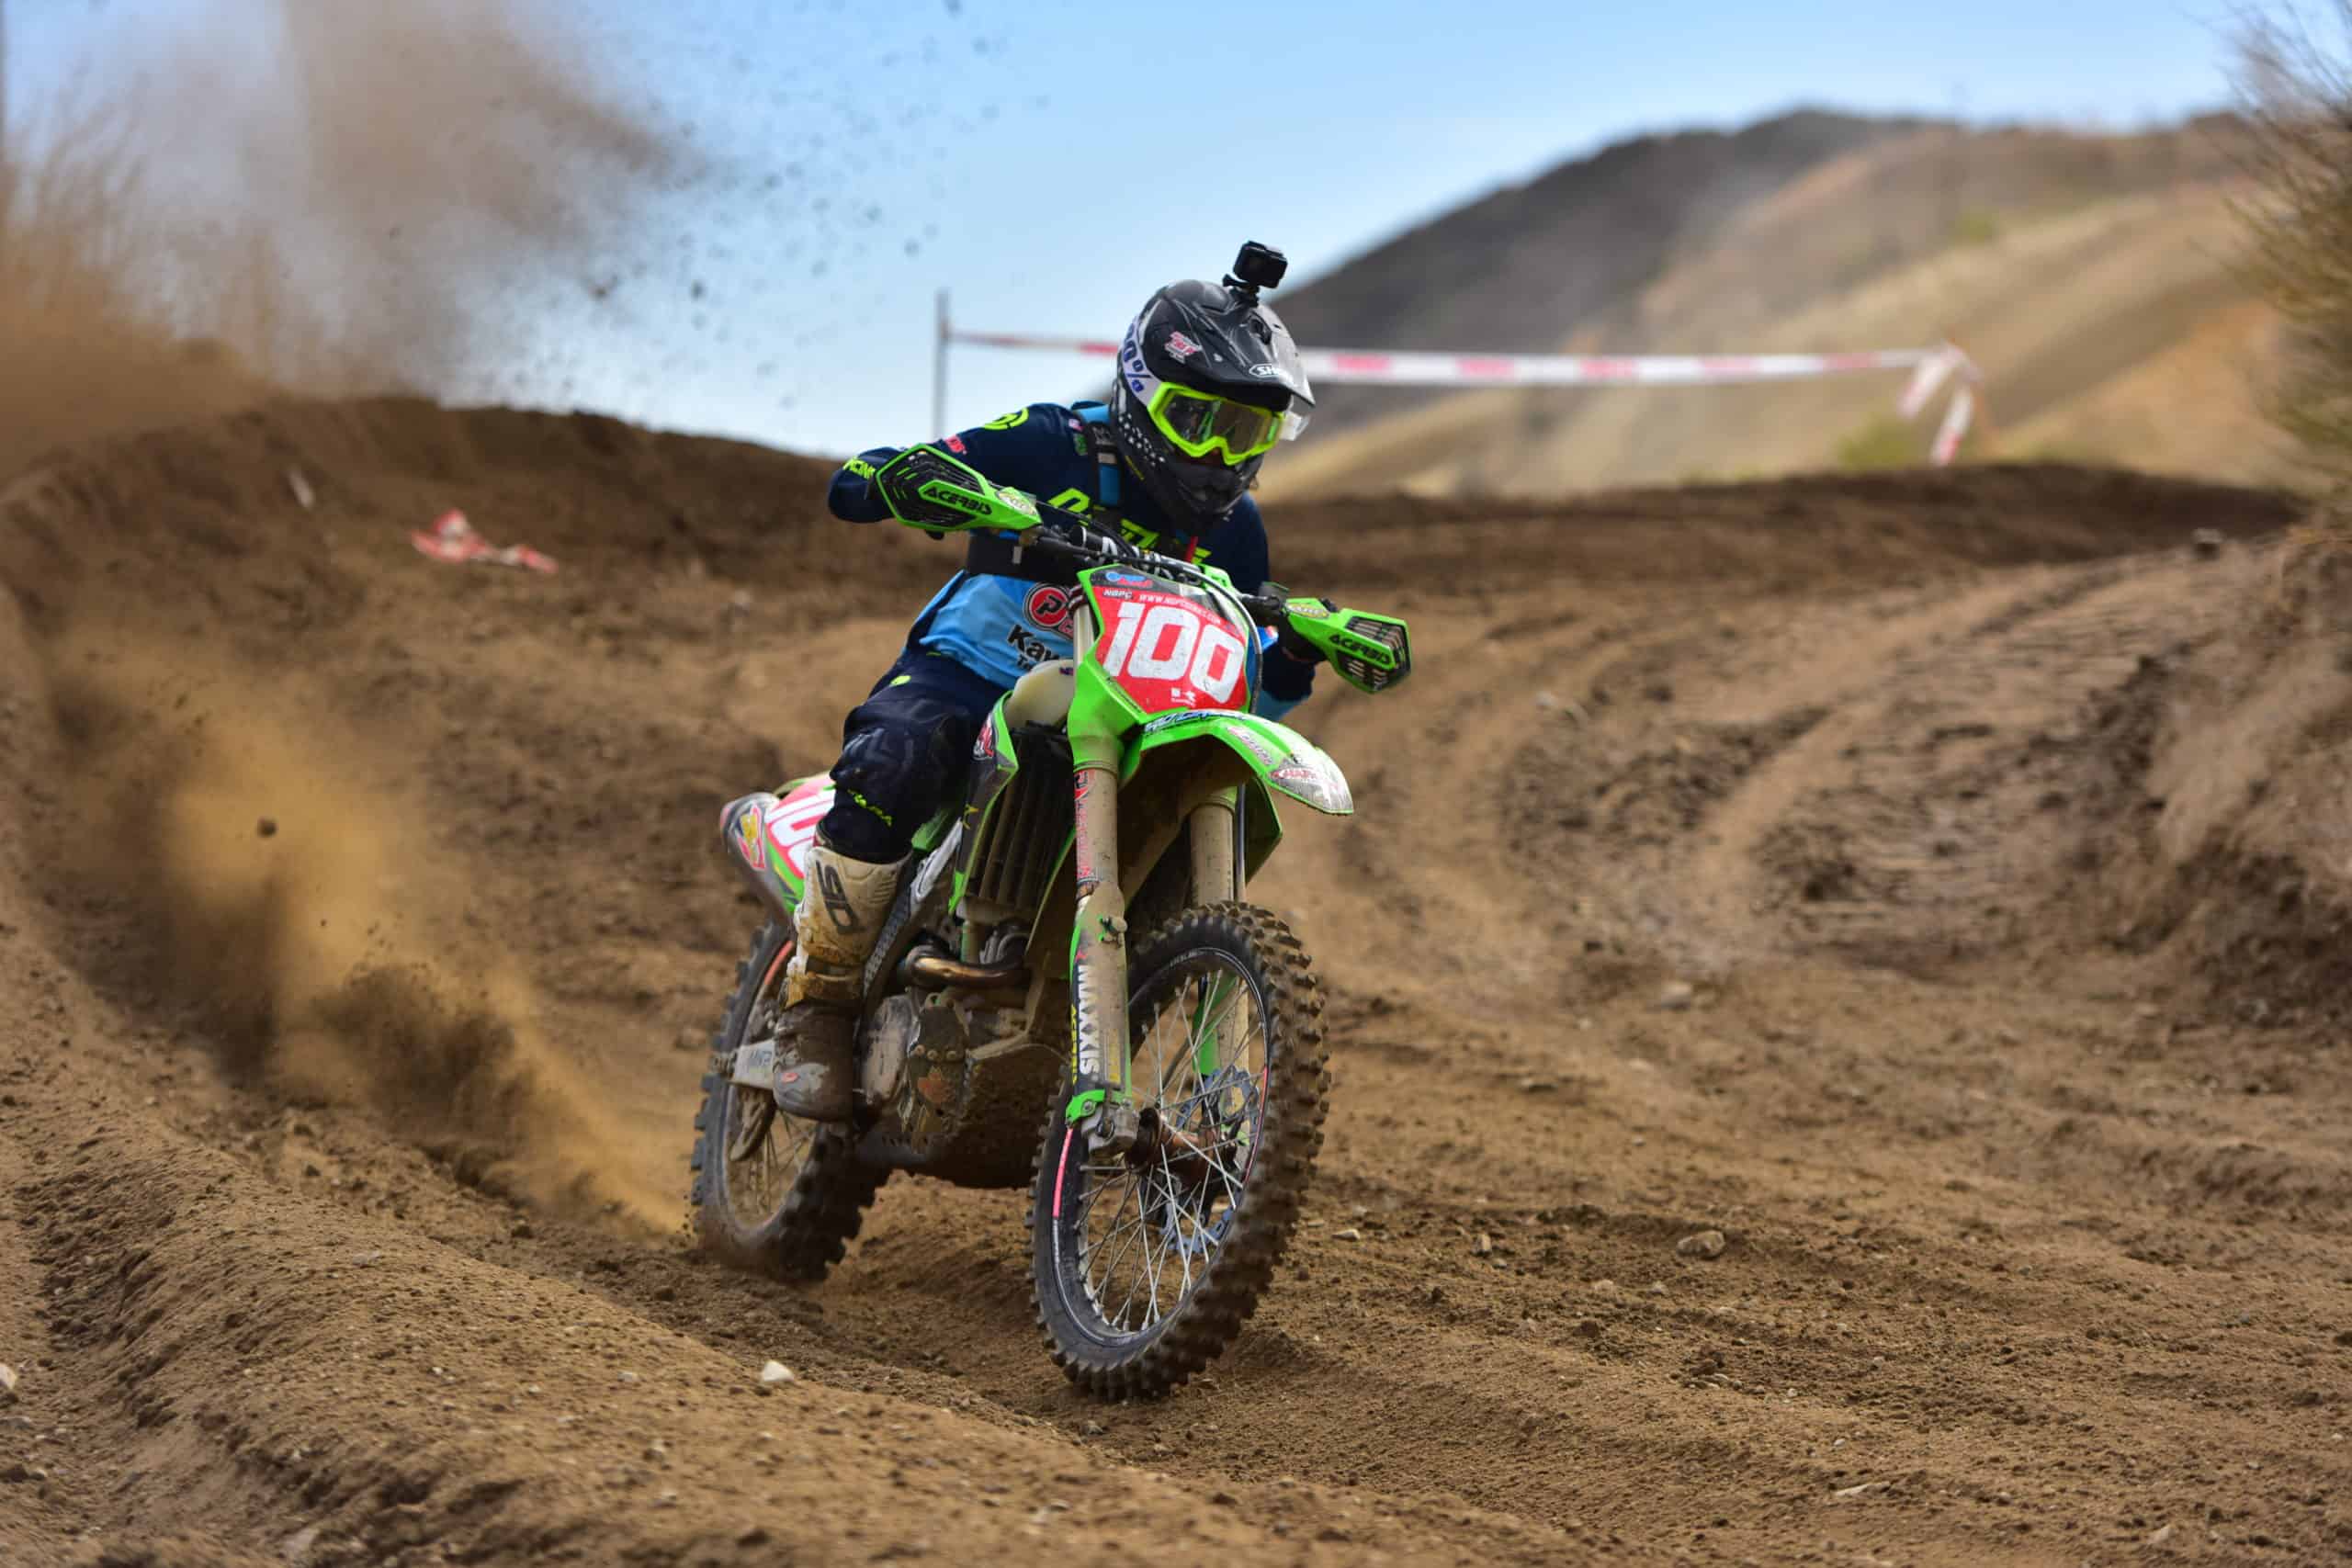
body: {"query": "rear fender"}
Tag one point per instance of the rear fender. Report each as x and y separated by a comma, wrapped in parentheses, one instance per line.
(768, 837)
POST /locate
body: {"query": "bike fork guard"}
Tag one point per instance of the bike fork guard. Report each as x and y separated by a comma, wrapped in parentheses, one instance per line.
(1101, 1099)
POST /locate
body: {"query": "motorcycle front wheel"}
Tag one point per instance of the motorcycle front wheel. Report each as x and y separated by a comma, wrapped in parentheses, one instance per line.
(1146, 1264)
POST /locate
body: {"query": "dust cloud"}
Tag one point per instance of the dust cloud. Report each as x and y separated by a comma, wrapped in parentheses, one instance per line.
(295, 908)
(329, 197)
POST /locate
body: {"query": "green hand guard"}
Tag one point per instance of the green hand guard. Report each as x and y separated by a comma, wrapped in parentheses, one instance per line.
(925, 488)
(1370, 652)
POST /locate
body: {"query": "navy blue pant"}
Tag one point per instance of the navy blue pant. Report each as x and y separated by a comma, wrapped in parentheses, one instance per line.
(902, 749)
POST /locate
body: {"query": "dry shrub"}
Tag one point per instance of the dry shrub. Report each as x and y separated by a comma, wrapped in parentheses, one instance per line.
(2295, 75)
(2311, 577)
(1885, 442)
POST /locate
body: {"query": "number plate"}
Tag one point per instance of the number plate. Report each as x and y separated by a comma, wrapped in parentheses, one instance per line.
(1172, 651)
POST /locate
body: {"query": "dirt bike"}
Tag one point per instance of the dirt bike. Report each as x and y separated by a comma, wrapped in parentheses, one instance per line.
(1070, 939)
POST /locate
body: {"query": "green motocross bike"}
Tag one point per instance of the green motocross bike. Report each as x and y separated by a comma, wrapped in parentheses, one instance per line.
(1070, 939)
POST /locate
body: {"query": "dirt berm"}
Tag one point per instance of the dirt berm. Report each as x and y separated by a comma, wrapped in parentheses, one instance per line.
(1934, 884)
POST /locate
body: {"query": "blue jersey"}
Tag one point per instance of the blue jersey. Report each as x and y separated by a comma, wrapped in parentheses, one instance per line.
(999, 626)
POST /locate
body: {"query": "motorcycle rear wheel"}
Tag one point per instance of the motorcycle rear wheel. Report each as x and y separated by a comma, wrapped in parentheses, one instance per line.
(1144, 1268)
(770, 1193)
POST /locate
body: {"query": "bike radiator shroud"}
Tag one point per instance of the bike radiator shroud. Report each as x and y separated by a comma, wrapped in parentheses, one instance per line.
(1019, 849)
(966, 1103)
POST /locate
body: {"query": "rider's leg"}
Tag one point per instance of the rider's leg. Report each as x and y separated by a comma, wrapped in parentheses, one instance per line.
(900, 750)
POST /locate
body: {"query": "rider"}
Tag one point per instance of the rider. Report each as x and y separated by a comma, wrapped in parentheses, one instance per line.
(1208, 381)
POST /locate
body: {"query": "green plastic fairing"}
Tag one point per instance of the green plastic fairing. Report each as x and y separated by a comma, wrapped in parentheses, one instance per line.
(995, 759)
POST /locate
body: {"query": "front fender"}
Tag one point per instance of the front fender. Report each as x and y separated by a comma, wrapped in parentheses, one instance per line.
(1279, 763)
(1284, 762)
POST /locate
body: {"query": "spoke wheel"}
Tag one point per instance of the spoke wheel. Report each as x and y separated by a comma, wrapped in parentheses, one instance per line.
(1146, 1264)
(771, 1192)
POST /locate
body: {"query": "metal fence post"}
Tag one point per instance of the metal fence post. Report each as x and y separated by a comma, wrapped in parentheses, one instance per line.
(939, 372)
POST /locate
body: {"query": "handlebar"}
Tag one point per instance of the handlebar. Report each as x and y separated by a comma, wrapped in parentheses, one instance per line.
(925, 488)
(1069, 535)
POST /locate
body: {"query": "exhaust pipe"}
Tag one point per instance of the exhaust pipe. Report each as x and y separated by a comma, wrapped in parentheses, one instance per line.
(934, 970)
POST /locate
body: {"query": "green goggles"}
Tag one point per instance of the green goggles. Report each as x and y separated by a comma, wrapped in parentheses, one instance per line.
(1197, 423)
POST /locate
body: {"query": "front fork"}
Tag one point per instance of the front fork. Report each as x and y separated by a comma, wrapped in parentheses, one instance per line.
(1103, 1097)
(1104, 1101)
(1103, 1064)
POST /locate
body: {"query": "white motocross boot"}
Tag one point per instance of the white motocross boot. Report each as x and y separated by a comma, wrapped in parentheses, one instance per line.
(834, 928)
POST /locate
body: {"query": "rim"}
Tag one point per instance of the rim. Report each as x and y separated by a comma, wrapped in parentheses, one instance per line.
(764, 1148)
(1148, 1227)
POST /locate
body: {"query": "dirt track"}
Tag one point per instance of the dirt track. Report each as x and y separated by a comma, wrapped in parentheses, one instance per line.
(353, 911)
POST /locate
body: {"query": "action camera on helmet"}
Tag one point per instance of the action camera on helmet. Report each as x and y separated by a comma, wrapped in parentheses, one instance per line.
(1258, 266)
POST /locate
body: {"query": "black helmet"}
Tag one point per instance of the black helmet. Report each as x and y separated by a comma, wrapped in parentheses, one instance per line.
(1208, 381)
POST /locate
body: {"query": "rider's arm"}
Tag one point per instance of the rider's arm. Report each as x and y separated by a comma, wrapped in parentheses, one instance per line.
(1286, 682)
(1285, 679)
(851, 496)
(1013, 450)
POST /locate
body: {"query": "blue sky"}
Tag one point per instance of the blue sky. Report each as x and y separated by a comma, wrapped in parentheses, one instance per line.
(1053, 162)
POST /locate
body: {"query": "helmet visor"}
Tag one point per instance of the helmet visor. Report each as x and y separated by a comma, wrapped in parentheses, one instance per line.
(1200, 423)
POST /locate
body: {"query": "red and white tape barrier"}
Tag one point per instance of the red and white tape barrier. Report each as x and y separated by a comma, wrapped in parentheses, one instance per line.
(1929, 367)
(1934, 370)
(1955, 425)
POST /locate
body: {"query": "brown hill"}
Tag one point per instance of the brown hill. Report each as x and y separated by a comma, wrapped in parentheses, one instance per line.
(1527, 265)
(2090, 275)
(353, 908)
